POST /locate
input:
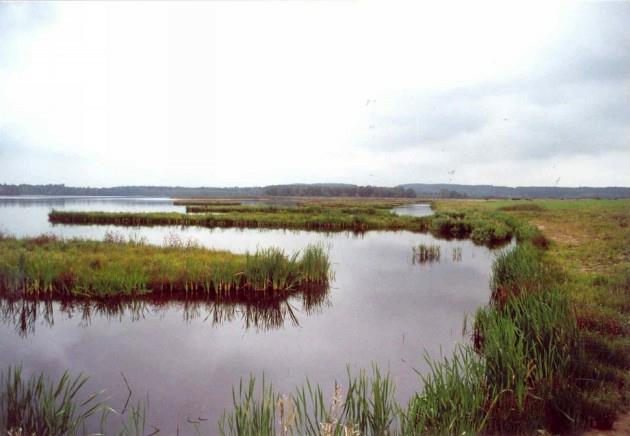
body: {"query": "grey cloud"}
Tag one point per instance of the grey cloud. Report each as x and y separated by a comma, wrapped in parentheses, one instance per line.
(594, 47)
(574, 100)
(419, 119)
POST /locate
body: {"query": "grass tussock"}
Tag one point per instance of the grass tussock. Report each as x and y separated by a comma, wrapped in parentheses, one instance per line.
(424, 253)
(483, 230)
(366, 406)
(48, 266)
(39, 405)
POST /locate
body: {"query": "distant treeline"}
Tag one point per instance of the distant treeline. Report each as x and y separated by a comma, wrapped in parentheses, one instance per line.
(297, 190)
(337, 190)
(131, 191)
(326, 190)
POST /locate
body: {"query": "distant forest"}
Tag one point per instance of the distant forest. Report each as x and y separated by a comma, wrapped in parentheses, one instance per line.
(337, 190)
(325, 190)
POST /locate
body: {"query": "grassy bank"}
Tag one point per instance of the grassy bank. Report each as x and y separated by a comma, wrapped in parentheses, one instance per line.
(589, 240)
(48, 266)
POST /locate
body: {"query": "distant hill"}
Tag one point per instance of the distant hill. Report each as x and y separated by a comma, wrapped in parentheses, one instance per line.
(440, 190)
(491, 191)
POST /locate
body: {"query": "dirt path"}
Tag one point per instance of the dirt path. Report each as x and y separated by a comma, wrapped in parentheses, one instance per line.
(620, 427)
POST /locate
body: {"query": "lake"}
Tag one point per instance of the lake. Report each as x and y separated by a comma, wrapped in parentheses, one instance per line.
(382, 307)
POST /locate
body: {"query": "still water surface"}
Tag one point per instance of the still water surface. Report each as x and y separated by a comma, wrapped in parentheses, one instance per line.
(381, 308)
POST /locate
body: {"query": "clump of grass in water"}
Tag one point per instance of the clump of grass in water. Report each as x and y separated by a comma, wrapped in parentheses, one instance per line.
(368, 407)
(40, 406)
(456, 254)
(426, 253)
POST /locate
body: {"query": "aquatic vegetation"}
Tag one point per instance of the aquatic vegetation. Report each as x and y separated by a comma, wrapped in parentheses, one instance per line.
(453, 399)
(48, 266)
(39, 406)
(207, 202)
(484, 229)
(219, 208)
(456, 254)
(366, 407)
(426, 253)
(328, 219)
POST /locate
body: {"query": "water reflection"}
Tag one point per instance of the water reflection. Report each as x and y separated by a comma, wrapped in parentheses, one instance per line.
(420, 209)
(261, 313)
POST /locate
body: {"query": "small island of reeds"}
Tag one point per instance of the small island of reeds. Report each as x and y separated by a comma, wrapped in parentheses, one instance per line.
(51, 266)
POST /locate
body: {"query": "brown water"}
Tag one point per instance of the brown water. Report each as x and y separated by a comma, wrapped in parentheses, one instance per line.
(381, 307)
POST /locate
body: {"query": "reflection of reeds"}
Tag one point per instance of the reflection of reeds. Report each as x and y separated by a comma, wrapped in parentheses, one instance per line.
(260, 312)
(426, 253)
(457, 254)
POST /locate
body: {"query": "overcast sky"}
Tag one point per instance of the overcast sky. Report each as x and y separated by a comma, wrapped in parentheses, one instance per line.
(255, 93)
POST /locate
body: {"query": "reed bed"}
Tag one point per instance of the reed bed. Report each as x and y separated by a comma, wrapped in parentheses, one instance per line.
(327, 220)
(218, 208)
(209, 202)
(49, 266)
(39, 405)
(300, 209)
(424, 253)
(366, 407)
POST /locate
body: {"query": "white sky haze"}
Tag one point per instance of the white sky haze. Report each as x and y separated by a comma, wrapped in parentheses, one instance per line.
(256, 93)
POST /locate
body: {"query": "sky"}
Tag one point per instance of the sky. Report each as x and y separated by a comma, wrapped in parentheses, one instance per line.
(257, 93)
